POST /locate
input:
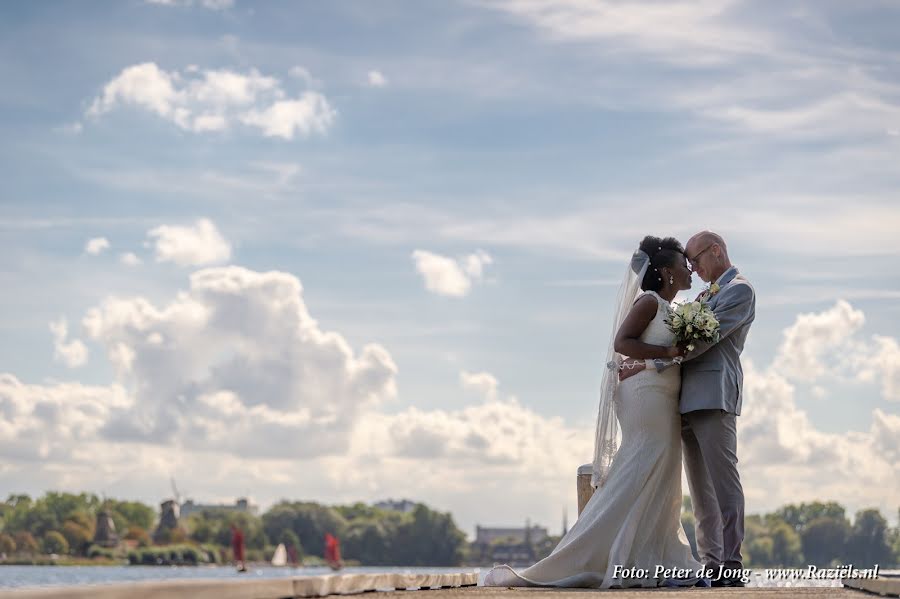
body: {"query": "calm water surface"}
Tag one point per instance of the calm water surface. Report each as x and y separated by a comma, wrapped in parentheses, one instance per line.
(42, 576)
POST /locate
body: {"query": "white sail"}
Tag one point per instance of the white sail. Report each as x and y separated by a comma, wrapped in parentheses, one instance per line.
(280, 557)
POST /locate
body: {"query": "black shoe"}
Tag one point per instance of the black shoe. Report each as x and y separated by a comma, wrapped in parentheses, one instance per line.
(728, 582)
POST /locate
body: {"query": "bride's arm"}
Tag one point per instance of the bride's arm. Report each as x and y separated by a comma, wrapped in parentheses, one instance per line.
(627, 338)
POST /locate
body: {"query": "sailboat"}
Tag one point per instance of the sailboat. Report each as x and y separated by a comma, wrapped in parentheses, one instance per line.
(280, 556)
(333, 552)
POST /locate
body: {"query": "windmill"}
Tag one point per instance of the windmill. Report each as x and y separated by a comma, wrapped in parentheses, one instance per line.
(175, 491)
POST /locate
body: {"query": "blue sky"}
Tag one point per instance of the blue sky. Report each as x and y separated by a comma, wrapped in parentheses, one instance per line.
(459, 184)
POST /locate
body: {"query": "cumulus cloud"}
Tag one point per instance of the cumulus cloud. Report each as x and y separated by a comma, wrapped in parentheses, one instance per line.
(814, 335)
(96, 246)
(130, 259)
(446, 276)
(237, 363)
(200, 100)
(49, 422)
(883, 361)
(786, 459)
(481, 382)
(72, 353)
(195, 245)
(309, 114)
(377, 79)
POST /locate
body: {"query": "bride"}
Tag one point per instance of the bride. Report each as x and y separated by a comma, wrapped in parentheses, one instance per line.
(629, 533)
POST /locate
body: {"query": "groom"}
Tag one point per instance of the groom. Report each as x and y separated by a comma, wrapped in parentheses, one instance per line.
(711, 385)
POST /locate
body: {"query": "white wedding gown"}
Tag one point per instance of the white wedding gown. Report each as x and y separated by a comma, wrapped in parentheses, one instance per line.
(634, 520)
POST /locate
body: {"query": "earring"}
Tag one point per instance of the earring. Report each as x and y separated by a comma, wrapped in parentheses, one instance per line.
(671, 280)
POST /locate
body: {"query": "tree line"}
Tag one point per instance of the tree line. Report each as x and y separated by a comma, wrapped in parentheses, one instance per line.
(795, 535)
(64, 524)
(815, 533)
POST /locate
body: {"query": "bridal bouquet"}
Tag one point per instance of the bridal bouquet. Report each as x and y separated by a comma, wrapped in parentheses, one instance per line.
(692, 322)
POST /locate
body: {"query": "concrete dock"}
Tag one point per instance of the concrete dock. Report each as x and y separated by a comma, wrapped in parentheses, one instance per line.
(432, 586)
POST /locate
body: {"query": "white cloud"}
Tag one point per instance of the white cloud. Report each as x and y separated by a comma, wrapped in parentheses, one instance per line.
(196, 245)
(812, 336)
(303, 74)
(883, 361)
(201, 100)
(309, 114)
(130, 259)
(446, 276)
(377, 79)
(238, 364)
(482, 382)
(687, 32)
(786, 459)
(73, 353)
(210, 4)
(96, 245)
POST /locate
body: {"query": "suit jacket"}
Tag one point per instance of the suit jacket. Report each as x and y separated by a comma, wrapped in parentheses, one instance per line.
(711, 374)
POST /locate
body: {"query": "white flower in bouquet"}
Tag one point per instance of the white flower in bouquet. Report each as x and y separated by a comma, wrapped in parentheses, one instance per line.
(692, 322)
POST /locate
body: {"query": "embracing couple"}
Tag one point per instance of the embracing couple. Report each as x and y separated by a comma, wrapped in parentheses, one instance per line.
(668, 402)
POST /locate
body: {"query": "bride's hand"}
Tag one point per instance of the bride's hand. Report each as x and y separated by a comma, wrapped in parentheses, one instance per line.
(677, 351)
(636, 366)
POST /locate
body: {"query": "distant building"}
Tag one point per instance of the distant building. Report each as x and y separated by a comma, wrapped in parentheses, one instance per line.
(513, 546)
(403, 505)
(241, 505)
(533, 534)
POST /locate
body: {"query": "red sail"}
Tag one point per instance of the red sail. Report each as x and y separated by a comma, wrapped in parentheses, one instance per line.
(332, 550)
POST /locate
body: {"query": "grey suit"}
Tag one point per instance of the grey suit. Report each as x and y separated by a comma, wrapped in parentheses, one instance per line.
(711, 393)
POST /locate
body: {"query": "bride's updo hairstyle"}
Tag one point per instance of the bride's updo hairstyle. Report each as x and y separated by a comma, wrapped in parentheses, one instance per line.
(663, 253)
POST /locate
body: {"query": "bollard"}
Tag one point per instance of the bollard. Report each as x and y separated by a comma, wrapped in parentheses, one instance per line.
(583, 485)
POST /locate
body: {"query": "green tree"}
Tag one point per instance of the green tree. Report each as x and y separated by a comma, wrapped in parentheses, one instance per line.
(787, 550)
(54, 542)
(7, 544)
(757, 542)
(126, 514)
(136, 533)
(367, 541)
(867, 543)
(290, 539)
(428, 538)
(799, 516)
(309, 520)
(25, 542)
(824, 540)
(77, 537)
(760, 551)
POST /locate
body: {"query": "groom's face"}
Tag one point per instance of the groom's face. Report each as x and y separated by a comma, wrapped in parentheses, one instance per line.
(700, 258)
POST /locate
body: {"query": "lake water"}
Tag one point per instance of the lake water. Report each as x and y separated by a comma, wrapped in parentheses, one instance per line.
(43, 576)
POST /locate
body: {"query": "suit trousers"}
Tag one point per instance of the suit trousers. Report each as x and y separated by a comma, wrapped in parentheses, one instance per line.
(709, 443)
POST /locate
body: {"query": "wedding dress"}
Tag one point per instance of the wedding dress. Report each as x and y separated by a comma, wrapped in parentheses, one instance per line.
(634, 519)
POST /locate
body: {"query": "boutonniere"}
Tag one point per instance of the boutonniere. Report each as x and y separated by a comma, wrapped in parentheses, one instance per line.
(708, 292)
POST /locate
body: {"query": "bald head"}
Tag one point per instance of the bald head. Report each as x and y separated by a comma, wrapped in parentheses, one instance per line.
(708, 255)
(705, 239)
